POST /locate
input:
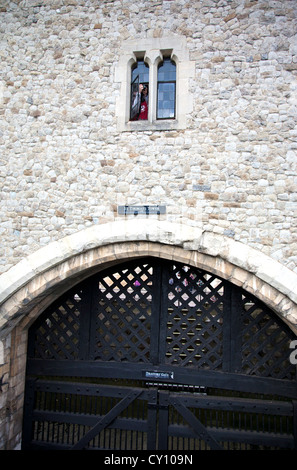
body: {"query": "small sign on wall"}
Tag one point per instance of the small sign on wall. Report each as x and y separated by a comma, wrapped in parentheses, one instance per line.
(147, 374)
(139, 209)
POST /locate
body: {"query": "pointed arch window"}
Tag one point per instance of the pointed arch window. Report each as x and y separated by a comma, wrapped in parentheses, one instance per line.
(139, 91)
(166, 90)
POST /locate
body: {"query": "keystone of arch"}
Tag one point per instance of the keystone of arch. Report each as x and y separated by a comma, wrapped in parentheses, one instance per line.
(242, 265)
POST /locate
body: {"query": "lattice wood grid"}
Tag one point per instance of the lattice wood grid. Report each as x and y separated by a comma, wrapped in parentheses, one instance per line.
(164, 313)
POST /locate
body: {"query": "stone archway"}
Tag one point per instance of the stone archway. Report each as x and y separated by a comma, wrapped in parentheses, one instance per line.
(45, 273)
(30, 286)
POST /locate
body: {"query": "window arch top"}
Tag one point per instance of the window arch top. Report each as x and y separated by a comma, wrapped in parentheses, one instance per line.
(167, 70)
(140, 69)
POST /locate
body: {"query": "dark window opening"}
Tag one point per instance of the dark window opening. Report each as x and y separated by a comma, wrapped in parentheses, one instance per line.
(166, 90)
(139, 91)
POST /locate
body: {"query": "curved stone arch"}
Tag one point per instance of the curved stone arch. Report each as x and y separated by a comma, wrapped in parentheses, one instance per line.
(35, 282)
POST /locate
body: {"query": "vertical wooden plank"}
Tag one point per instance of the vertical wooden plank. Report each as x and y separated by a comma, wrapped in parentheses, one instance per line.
(28, 413)
(31, 339)
(163, 421)
(163, 312)
(227, 315)
(152, 420)
(87, 311)
(155, 316)
(236, 330)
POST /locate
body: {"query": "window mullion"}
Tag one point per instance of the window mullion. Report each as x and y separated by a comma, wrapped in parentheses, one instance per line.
(152, 93)
(153, 58)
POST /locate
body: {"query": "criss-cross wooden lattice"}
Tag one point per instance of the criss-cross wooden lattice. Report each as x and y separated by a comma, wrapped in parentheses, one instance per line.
(264, 342)
(195, 318)
(57, 335)
(151, 354)
(146, 312)
(122, 320)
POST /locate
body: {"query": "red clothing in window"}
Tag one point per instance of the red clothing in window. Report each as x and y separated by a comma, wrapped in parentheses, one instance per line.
(143, 110)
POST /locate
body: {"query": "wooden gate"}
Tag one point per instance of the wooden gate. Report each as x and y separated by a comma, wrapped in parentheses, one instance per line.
(154, 354)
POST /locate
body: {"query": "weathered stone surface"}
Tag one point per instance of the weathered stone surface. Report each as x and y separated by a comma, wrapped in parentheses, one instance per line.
(227, 176)
(61, 152)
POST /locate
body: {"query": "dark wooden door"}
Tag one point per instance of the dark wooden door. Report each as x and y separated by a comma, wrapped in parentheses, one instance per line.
(153, 354)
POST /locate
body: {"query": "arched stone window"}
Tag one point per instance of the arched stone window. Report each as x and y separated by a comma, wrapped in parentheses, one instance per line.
(139, 91)
(166, 93)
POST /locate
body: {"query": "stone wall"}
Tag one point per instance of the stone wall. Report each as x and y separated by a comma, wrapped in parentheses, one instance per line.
(64, 165)
(228, 173)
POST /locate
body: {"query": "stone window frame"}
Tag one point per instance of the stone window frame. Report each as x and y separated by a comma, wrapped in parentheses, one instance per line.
(152, 51)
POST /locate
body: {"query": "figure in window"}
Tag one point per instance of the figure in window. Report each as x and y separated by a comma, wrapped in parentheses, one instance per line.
(139, 91)
(143, 104)
(140, 103)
